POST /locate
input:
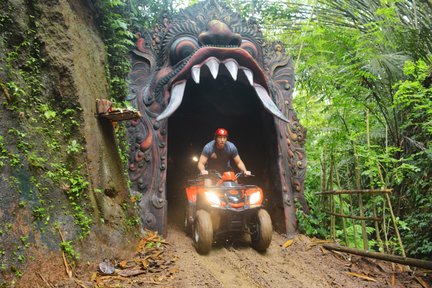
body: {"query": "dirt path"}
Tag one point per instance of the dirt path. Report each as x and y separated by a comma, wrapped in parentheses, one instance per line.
(232, 264)
(300, 265)
(304, 263)
(237, 265)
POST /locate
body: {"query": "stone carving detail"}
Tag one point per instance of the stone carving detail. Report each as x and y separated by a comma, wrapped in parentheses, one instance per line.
(207, 34)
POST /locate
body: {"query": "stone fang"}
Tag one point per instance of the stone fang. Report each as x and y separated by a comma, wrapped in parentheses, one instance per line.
(213, 66)
(176, 98)
(249, 75)
(268, 102)
(232, 68)
(196, 71)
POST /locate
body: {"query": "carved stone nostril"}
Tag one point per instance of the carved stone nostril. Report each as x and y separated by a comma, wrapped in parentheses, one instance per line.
(219, 33)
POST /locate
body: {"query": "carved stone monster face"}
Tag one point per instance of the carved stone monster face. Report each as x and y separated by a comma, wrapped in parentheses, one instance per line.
(201, 46)
(213, 68)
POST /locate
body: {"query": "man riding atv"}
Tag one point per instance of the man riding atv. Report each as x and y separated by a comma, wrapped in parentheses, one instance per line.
(226, 206)
(217, 154)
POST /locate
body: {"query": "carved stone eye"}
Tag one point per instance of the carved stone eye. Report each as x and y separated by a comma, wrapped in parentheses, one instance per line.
(181, 48)
(249, 47)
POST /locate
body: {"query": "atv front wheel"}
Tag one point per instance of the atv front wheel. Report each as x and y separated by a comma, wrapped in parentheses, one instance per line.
(203, 232)
(262, 233)
(187, 219)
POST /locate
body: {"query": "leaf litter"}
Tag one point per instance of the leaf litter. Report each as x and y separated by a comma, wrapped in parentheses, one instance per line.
(151, 264)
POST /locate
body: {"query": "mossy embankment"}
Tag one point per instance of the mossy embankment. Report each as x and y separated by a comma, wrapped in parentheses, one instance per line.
(61, 174)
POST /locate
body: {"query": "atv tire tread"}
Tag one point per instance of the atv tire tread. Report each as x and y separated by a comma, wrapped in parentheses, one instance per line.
(203, 228)
(261, 238)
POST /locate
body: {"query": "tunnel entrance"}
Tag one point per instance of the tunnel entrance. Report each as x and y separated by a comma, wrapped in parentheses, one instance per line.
(232, 105)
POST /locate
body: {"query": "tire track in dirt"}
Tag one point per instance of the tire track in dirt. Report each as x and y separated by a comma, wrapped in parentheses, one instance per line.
(238, 265)
(303, 264)
(214, 270)
(225, 269)
(272, 269)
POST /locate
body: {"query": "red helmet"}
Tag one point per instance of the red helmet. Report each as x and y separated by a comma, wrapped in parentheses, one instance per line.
(221, 132)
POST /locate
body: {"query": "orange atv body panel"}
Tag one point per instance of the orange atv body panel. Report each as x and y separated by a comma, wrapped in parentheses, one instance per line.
(216, 185)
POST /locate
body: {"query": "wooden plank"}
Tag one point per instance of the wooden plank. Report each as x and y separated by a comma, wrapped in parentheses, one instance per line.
(386, 257)
(353, 217)
(121, 115)
(106, 110)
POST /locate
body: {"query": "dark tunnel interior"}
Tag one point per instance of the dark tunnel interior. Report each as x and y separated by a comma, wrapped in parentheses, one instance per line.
(231, 105)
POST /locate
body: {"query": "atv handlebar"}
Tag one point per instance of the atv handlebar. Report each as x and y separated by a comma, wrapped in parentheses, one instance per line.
(242, 174)
(219, 175)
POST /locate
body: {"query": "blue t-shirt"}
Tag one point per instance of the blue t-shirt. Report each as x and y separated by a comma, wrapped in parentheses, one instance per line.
(219, 159)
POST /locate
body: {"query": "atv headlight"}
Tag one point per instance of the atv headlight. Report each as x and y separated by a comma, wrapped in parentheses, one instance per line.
(255, 198)
(212, 198)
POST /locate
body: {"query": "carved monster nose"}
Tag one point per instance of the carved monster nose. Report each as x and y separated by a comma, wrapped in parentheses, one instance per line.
(219, 34)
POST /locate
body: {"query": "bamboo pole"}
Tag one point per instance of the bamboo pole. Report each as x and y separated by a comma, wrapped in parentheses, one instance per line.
(338, 178)
(342, 208)
(330, 181)
(363, 223)
(353, 222)
(377, 219)
(358, 186)
(385, 227)
(357, 191)
(377, 228)
(343, 220)
(386, 257)
(333, 218)
(323, 177)
(329, 187)
(395, 225)
(384, 183)
(323, 172)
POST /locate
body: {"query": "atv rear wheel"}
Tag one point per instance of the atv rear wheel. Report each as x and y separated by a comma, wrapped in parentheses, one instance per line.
(262, 233)
(203, 232)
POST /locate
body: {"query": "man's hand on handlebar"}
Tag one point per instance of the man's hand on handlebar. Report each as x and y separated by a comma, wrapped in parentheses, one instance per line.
(247, 173)
(204, 172)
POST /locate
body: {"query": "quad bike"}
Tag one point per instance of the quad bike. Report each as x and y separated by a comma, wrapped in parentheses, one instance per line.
(218, 206)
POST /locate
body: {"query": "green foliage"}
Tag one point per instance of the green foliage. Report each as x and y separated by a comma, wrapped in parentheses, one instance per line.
(119, 20)
(40, 213)
(414, 99)
(133, 222)
(75, 186)
(368, 123)
(36, 161)
(74, 147)
(3, 152)
(418, 238)
(118, 40)
(68, 249)
(313, 224)
(357, 241)
(123, 147)
(49, 114)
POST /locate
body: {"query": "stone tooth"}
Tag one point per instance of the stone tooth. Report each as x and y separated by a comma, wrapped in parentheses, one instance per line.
(196, 71)
(249, 75)
(213, 65)
(176, 98)
(268, 102)
(232, 68)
